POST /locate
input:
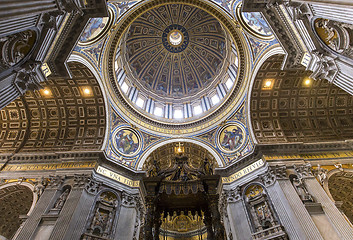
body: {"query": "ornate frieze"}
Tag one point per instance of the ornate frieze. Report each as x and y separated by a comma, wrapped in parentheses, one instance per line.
(280, 171)
(233, 195)
(56, 181)
(60, 201)
(80, 180)
(268, 178)
(39, 186)
(93, 186)
(129, 200)
(303, 171)
(320, 174)
(301, 189)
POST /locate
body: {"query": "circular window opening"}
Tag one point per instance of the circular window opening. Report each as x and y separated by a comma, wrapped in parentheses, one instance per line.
(175, 37)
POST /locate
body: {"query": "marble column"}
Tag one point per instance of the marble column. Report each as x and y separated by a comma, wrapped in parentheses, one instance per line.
(239, 226)
(46, 200)
(208, 223)
(32, 222)
(82, 211)
(238, 219)
(218, 227)
(63, 222)
(157, 224)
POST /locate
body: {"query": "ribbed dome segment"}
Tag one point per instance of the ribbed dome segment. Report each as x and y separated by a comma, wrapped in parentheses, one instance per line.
(175, 52)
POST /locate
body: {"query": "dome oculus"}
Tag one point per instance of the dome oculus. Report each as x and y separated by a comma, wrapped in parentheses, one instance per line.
(175, 38)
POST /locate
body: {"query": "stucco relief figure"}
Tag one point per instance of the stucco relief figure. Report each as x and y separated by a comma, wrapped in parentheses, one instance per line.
(102, 219)
(264, 216)
(301, 189)
(40, 186)
(261, 213)
(327, 33)
(61, 200)
(15, 47)
(207, 167)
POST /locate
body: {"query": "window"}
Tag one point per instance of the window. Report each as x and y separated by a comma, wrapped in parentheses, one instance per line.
(158, 111)
(178, 113)
(197, 110)
(140, 102)
(215, 99)
(229, 83)
(124, 87)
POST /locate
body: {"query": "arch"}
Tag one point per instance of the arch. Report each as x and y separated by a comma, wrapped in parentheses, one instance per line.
(334, 36)
(17, 48)
(212, 151)
(269, 53)
(68, 114)
(295, 108)
(103, 215)
(340, 188)
(260, 209)
(95, 71)
(16, 199)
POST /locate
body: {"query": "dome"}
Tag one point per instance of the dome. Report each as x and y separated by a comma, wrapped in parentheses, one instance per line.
(175, 52)
(176, 62)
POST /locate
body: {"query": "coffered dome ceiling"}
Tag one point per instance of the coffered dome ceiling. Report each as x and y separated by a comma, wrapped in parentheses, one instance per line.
(175, 67)
(169, 54)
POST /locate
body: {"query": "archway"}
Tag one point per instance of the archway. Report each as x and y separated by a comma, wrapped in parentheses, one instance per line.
(288, 106)
(181, 193)
(340, 185)
(15, 200)
(67, 114)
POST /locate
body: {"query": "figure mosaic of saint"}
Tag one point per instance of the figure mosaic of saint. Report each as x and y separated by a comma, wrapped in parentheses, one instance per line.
(94, 27)
(257, 23)
(125, 142)
(232, 139)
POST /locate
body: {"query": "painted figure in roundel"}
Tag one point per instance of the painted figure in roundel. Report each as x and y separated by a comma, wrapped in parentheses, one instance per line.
(257, 23)
(127, 142)
(231, 138)
(94, 27)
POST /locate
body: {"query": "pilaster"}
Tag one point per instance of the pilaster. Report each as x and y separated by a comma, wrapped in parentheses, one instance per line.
(340, 224)
(282, 206)
(239, 223)
(127, 217)
(298, 208)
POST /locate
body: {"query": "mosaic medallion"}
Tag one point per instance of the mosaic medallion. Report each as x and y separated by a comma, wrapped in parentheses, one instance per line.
(255, 23)
(126, 141)
(231, 137)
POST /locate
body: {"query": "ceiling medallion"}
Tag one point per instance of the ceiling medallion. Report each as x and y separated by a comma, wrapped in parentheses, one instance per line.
(126, 141)
(175, 38)
(232, 137)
